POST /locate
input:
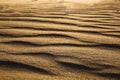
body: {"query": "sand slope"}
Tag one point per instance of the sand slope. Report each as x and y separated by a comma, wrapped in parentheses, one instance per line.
(52, 42)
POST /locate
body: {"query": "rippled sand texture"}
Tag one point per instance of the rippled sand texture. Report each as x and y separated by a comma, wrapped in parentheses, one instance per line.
(52, 43)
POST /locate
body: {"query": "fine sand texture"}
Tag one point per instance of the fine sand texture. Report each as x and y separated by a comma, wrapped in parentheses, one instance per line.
(54, 42)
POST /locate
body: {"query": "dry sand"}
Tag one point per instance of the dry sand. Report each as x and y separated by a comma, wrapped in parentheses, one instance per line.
(52, 42)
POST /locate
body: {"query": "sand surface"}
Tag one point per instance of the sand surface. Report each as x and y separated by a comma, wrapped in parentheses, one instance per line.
(52, 42)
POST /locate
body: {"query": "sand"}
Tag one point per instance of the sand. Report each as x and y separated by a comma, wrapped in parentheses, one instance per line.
(52, 42)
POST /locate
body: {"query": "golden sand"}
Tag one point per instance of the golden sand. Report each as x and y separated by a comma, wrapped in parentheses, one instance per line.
(55, 42)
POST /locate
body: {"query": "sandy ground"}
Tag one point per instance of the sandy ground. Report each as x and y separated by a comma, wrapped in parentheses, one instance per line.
(52, 42)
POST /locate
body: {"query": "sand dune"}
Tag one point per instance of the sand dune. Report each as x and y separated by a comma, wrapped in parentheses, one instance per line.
(57, 43)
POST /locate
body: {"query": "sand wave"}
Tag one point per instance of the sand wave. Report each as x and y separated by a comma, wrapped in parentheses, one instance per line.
(52, 43)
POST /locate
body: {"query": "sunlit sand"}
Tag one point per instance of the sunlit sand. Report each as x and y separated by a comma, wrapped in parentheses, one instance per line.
(59, 40)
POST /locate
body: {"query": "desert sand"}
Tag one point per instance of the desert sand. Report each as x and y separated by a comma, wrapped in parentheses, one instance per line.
(59, 41)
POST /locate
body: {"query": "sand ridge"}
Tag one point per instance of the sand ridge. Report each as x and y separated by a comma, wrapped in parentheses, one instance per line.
(52, 43)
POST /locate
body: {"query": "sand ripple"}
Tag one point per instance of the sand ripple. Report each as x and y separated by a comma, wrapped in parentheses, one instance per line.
(56, 44)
